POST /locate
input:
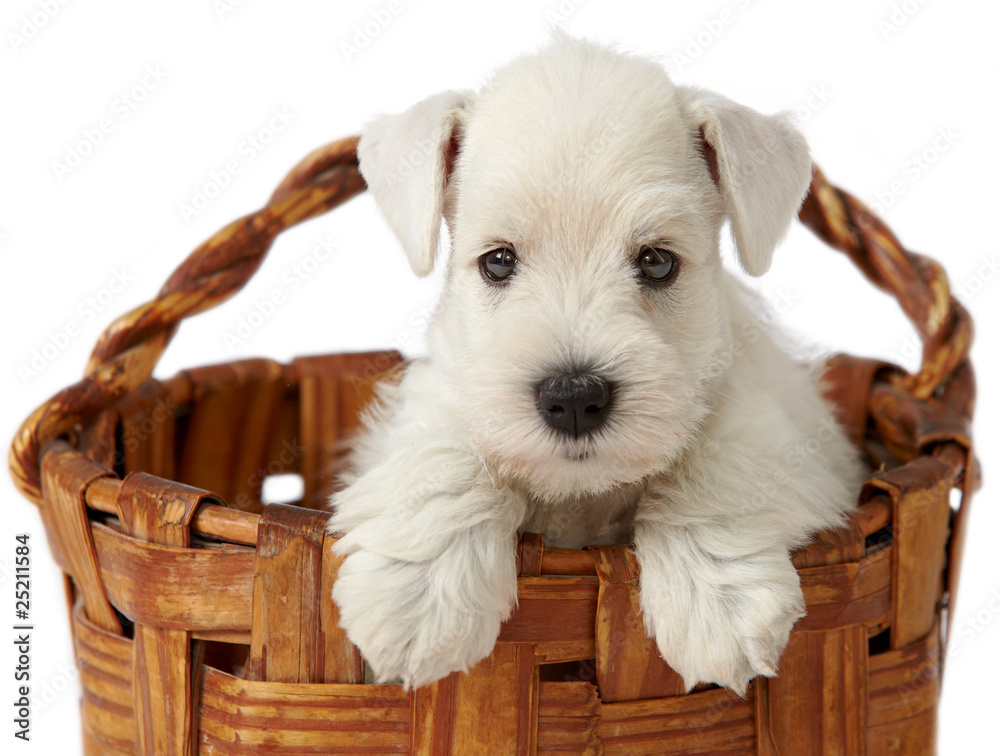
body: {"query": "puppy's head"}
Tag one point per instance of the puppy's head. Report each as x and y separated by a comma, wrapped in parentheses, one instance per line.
(584, 315)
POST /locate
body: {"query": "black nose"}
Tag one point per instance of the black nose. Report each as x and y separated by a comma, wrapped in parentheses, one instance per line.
(574, 403)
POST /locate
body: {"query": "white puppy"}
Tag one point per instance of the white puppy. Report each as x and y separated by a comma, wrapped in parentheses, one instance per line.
(594, 373)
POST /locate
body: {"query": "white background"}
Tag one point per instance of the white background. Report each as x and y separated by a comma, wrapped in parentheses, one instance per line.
(874, 83)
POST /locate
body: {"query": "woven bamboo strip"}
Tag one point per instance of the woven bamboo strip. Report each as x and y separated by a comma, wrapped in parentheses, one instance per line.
(568, 715)
(66, 474)
(823, 680)
(714, 721)
(196, 589)
(105, 663)
(920, 530)
(629, 665)
(243, 717)
(163, 659)
(903, 687)
(285, 631)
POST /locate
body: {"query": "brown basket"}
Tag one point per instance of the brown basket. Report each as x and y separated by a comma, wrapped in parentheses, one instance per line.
(171, 591)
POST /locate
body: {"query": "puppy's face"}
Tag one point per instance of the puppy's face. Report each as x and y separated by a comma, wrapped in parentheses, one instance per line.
(584, 313)
(583, 310)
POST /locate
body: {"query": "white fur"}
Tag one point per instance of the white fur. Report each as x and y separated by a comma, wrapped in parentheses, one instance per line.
(708, 463)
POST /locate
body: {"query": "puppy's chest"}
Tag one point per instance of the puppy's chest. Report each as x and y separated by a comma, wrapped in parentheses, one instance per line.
(597, 520)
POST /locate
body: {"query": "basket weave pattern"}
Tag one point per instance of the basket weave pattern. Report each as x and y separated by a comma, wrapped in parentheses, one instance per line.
(178, 577)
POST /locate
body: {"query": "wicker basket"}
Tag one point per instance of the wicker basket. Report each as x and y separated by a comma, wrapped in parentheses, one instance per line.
(202, 627)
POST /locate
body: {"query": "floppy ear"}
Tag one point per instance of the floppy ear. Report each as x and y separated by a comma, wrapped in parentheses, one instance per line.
(406, 160)
(762, 168)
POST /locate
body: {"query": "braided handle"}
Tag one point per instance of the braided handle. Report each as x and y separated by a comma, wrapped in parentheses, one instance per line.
(917, 282)
(127, 352)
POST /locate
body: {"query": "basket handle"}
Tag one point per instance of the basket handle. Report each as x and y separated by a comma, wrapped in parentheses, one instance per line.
(918, 283)
(127, 352)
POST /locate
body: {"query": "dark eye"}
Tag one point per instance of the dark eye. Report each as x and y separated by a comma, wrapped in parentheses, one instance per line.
(656, 264)
(498, 265)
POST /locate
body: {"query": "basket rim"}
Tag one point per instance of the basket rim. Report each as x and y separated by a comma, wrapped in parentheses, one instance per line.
(218, 521)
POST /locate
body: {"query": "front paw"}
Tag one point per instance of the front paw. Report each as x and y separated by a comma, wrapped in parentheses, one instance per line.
(725, 634)
(411, 623)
